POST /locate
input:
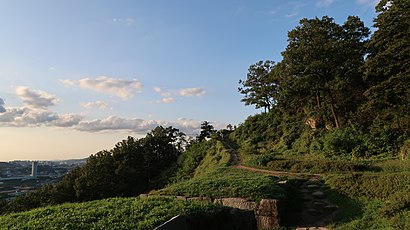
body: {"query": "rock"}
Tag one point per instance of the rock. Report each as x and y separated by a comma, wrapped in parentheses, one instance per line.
(203, 199)
(318, 205)
(267, 214)
(181, 198)
(318, 194)
(312, 186)
(304, 191)
(331, 207)
(240, 203)
(312, 211)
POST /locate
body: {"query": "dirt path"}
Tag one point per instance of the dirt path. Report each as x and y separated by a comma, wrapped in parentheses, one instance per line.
(309, 207)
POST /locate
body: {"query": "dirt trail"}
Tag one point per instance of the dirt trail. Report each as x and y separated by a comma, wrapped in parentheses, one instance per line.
(310, 207)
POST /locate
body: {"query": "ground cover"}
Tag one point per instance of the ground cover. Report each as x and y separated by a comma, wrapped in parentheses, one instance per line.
(113, 213)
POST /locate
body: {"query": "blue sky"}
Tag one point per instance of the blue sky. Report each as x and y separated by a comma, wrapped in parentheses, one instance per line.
(78, 76)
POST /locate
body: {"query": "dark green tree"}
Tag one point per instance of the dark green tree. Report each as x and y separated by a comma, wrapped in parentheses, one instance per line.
(387, 69)
(206, 130)
(322, 62)
(259, 88)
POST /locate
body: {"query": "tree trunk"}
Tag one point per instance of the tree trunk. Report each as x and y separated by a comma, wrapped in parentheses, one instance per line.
(332, 108)
(318, 100)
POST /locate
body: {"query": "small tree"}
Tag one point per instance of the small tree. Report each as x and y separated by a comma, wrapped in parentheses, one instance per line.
(206, 130)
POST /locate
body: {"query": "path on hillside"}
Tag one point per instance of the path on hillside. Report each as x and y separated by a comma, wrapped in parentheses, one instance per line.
(310, 208)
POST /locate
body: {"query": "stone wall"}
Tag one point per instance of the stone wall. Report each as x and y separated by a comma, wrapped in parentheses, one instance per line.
(266, 212)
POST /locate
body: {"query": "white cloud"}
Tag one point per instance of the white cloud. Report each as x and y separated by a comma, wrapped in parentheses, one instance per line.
(2, 109)
(67, 82)
(292, 15)
(191, 92)
(126, 21)
(67, 120)
(113, 123)
(122, 88)
(167, 100)
(139, 126)
(26, 117)
(94, 104)
(324, 3)
(162, 92)
(36, 99)
(166, 95)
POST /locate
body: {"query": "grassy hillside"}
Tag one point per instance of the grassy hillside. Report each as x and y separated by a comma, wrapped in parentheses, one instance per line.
(114, 213)
(210, 176)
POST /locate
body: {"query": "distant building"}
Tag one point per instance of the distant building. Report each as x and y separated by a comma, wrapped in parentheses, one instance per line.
(34, 168)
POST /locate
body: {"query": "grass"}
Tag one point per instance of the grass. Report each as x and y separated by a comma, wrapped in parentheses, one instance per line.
(227, 182)
(373, 200)
(114, 213)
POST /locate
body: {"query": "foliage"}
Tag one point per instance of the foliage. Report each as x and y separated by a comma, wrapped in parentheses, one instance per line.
(113, 213)
(206, 131)
(227, 182)
(130, 168)
(260, 87)
(322, 63)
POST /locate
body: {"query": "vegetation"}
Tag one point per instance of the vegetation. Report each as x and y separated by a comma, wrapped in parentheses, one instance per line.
(338, 104)
(227, 182)
(330, 95)
(113, 213)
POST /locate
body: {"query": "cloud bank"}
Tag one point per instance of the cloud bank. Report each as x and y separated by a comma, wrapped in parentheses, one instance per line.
(35, 112)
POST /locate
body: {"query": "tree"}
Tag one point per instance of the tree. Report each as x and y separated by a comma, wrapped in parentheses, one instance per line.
(387, 70)
(259, 88)
(206, 130)
(322, 62)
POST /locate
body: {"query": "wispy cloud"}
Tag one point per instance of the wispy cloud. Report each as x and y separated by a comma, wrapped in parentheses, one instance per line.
(187, 92)
(167, 96)
(94, 104)
(125, 21)
(371, 3)
(122, 88)
(291, 15)
(324, 3)
(36, 98)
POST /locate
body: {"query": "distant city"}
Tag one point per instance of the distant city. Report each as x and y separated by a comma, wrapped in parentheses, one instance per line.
(20, 177)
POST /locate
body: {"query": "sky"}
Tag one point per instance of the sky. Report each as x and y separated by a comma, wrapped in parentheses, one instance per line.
(78, 76)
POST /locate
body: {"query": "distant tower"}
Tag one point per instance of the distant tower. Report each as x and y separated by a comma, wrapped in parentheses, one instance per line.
(34, 166)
